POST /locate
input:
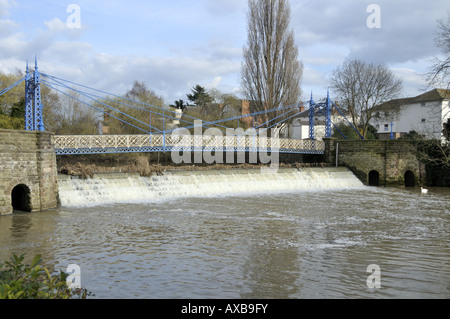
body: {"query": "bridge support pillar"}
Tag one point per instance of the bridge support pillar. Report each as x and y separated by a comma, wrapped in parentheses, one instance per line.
(330, 150)
(377, 162)
(28, 179)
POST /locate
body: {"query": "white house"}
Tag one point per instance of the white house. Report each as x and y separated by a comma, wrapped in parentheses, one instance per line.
(299, 126)
(424, 114)
(299, 129)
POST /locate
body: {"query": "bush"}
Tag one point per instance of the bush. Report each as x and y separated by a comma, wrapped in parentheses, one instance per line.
(11, 123)
(23, 281)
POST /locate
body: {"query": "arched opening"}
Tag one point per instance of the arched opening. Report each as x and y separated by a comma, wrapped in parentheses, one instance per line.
(374, 178)
(410, 179)
(20, 198)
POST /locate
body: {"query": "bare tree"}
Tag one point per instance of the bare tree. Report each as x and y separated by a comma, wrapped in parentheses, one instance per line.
(440, 70)
(362, 86)
(271, 72)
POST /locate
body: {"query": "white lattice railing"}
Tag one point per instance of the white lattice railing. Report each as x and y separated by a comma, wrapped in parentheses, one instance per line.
(76, 142)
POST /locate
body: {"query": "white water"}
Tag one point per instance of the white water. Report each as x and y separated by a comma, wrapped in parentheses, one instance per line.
(125, 189)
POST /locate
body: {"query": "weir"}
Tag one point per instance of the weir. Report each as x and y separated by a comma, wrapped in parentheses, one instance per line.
(126, 188)
(28, 179)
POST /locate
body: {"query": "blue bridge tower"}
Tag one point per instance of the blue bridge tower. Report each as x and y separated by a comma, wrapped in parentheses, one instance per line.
(33, 105)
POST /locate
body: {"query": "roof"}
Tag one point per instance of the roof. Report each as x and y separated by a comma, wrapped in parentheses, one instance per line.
(431, 96)
(435, 95)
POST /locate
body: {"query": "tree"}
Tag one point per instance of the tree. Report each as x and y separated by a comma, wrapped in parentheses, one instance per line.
(230, 104)
(179, 105)
(446, 130)
(18, 109)
(66, 115)
(138, 107)
(271, 72)
(440, 70)
(140, 93)
(200, 97)
(362, 86)
(349, 132)
(13, 96)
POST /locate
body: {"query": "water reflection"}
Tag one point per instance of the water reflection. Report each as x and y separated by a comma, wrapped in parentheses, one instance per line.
(286, 245)
(271, 267)
(20, 224)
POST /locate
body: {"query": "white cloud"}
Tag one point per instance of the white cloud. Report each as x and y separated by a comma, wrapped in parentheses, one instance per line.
(406, 27)
(215, 83)
(5, 5)
(172, 46)
(414, 83)
(56, 25)
(226, 7)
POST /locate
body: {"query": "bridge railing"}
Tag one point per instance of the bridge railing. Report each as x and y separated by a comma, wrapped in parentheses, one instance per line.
(186, 142)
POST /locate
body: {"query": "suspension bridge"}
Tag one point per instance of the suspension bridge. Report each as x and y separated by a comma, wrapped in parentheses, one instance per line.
(208, 135)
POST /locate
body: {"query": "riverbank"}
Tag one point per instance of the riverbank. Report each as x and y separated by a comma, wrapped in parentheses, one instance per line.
(145, 165)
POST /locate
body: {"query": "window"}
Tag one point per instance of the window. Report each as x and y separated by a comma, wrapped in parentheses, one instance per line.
(386, 127)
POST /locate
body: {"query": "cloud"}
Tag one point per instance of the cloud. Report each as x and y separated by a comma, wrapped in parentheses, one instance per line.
(172, 46)
(170, 77)
(56, 25)
(6, 25)
(414, 83)
(215, 83)
(5, 5)
(406, 33)
(226, 7)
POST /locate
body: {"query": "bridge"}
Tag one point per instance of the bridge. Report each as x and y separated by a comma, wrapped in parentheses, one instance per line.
(103, 144)
(166, 137)
(28, 157)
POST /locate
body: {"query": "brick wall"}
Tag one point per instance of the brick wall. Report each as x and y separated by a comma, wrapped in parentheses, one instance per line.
(28, 158)
(390, 158)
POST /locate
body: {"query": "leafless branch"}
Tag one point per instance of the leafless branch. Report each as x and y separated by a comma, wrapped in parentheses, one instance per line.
(271, 72)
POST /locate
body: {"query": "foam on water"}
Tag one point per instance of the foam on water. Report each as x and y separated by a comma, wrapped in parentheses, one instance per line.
(124, 189)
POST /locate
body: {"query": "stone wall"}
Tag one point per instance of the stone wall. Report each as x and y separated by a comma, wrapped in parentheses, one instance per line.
(393, 161)
(28, 172)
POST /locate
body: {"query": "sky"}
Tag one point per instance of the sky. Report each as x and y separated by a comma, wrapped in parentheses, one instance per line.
(174, 45)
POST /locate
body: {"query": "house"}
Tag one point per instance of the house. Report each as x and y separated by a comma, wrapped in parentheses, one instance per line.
(298, 127)
(425, 114)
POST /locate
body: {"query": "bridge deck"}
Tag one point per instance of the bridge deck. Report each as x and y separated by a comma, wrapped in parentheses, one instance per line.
(99, 144)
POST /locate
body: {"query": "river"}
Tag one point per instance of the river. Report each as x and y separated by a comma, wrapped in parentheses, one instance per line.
(292, 236)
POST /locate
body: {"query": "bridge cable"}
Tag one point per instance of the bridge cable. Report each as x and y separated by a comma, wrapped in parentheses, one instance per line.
(12, 86)
(347, 120)
(102, 111)
(121, 97)
(208, 123)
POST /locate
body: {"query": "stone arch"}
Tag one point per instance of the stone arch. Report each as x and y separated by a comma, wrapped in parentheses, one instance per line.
(21, 198)
(374, 178)
(410, 179)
